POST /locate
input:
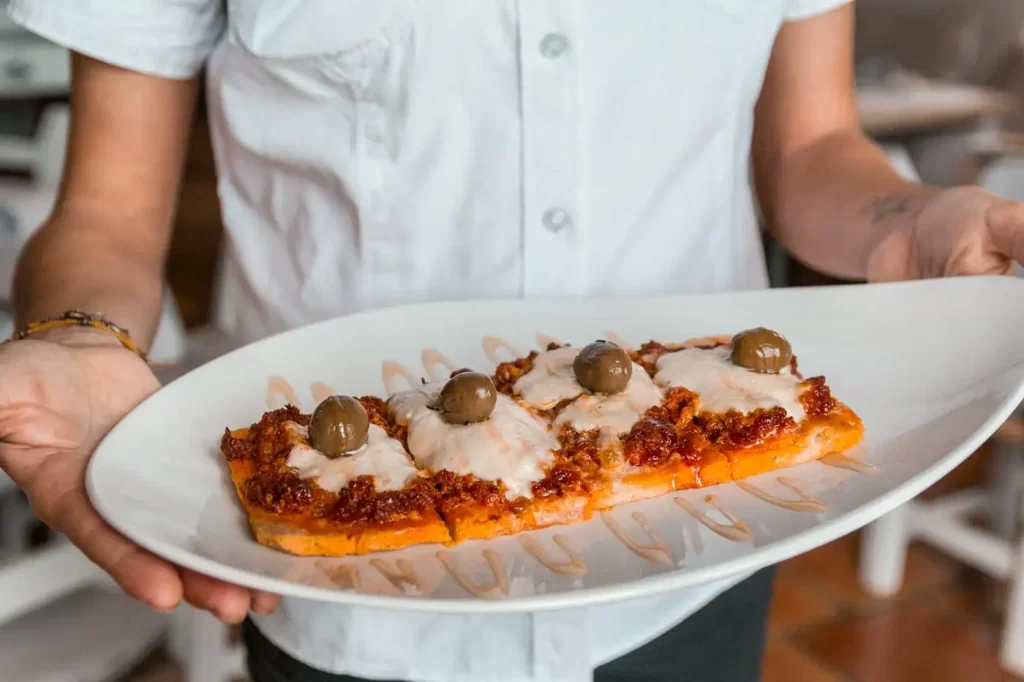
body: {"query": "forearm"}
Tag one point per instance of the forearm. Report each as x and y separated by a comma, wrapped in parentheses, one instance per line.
(832, 202)
(77, 262)
(103, 249)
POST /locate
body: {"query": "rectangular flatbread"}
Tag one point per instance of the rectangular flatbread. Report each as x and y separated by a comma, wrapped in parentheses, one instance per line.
(546, 450)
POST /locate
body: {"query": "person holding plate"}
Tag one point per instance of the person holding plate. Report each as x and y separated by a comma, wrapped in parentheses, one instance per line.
(379, 152)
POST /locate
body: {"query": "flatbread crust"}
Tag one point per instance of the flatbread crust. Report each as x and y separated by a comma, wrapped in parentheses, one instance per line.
(469, 521)
(303, 535)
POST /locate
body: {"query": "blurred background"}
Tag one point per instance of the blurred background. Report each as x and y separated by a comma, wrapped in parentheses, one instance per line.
(940, 86)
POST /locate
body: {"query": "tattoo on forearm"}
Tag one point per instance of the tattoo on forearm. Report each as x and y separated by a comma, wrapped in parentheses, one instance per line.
(887, 206)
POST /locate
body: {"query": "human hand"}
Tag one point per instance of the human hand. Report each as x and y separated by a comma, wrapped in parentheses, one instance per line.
(958, 231)
(59, 395)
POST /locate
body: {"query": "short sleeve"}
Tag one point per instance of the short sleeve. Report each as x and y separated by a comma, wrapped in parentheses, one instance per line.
(804, 9)
(169, 38)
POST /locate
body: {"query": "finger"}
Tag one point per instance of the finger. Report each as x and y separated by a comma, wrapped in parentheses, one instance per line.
(230, 603)
(139, 573)
(1005, 221)
(265, 603)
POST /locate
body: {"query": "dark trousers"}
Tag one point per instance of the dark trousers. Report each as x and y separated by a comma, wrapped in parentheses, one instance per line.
(723, 642)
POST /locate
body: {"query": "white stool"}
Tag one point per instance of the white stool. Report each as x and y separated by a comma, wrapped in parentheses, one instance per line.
(91, 635)
(944, 523)
(62, 620)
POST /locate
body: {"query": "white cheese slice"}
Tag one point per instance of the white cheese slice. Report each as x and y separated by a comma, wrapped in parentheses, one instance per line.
(382, 457)
(723, 386)
(614, 414)
(511, 445)
(550, 380)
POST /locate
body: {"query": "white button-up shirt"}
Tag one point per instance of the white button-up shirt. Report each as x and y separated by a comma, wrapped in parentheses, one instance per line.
(375, 152)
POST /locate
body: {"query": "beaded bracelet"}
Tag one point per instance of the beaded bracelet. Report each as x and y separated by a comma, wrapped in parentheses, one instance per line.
(75, 318)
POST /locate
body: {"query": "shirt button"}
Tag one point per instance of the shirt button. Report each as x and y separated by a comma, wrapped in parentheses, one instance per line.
(554, 45)
(556, 219)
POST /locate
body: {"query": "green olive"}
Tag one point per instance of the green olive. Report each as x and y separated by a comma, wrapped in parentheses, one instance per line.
(603, 367)
(761, 350)
(339, 425)
(467, 398)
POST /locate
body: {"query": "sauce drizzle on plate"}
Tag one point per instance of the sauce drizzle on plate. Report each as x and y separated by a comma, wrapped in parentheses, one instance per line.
(576, 567)
(841, 461)
(491, 346)
(737, 531)
(657, 552)
(497, 590)
(401, 574)
(804, 503)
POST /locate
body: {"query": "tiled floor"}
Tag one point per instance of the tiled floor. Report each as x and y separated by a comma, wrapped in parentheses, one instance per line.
(941, 627)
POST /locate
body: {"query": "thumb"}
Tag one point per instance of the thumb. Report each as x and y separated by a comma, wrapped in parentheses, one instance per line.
(1005, 221)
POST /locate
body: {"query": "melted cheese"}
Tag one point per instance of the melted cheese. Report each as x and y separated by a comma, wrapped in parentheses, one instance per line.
(615, 414)
(551, 379)
(511, 445)
(723, 386)
(382, 457)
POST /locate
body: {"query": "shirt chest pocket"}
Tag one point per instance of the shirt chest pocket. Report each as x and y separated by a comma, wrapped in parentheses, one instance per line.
(352, 57)
(296, 29)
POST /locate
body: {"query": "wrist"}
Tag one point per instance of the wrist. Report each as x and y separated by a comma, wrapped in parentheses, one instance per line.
(77, 337)
(74, 319)
(896, 216)
(891, 260)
